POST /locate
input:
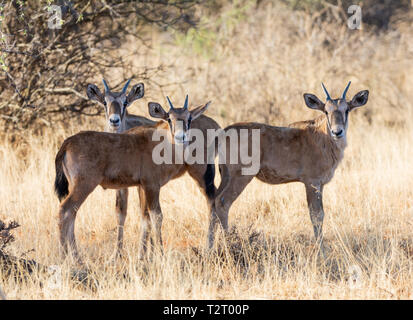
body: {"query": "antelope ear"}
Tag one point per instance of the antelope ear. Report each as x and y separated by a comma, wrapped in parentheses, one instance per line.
(137, 92)
(195, 113)
(156, 111)
(313, 102)
(360, 99)
(94, 93)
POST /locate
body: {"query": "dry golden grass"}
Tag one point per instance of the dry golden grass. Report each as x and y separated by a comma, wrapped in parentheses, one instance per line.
(258, 73)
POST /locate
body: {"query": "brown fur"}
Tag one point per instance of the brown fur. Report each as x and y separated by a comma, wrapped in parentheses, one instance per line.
(306, 151)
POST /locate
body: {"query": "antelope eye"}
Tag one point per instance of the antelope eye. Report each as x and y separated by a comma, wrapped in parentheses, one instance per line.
(104, 103)
(125, 103)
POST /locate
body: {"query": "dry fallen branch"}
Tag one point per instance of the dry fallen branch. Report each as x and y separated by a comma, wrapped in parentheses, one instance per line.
(6, 237)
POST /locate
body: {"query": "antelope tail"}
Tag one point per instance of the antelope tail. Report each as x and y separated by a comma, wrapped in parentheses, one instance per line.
(61, 185)
(209, 177)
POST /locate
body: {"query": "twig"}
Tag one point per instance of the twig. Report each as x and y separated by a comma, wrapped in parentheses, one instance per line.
(13, 84)
(66, 91)
(18, 52)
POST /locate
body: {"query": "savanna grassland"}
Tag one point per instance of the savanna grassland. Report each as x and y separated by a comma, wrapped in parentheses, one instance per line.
(255, 66)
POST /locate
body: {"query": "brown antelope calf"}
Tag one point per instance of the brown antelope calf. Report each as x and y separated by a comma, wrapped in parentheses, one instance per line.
(118, 120)
(306, 151)
(119, 161)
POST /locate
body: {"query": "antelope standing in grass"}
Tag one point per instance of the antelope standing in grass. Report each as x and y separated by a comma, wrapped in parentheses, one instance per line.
(118, 120)
(119, 161)
(306, 151)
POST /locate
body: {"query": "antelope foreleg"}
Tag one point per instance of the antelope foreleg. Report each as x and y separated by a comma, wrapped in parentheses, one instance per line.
(121, 212)
(156, 219)
(145, 225)
(314, 194)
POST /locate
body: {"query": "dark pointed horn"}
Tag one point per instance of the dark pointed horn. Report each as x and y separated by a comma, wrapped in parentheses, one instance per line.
(170, 103)
(326, 92)
(345, 91)
(126, 86)
(186, 102)
(106, 85)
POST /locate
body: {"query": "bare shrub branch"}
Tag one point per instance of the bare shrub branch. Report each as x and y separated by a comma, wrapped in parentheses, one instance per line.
(47, 69)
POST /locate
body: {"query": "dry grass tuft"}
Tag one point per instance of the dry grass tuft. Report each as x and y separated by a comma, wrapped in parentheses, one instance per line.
(258, 71)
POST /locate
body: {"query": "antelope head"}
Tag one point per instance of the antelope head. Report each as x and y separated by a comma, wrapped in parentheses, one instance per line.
(115, 103)
(179, 119)
(337, 110)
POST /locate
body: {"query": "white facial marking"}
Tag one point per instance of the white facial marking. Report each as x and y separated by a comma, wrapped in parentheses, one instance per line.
(114, 120)
(180, 134)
